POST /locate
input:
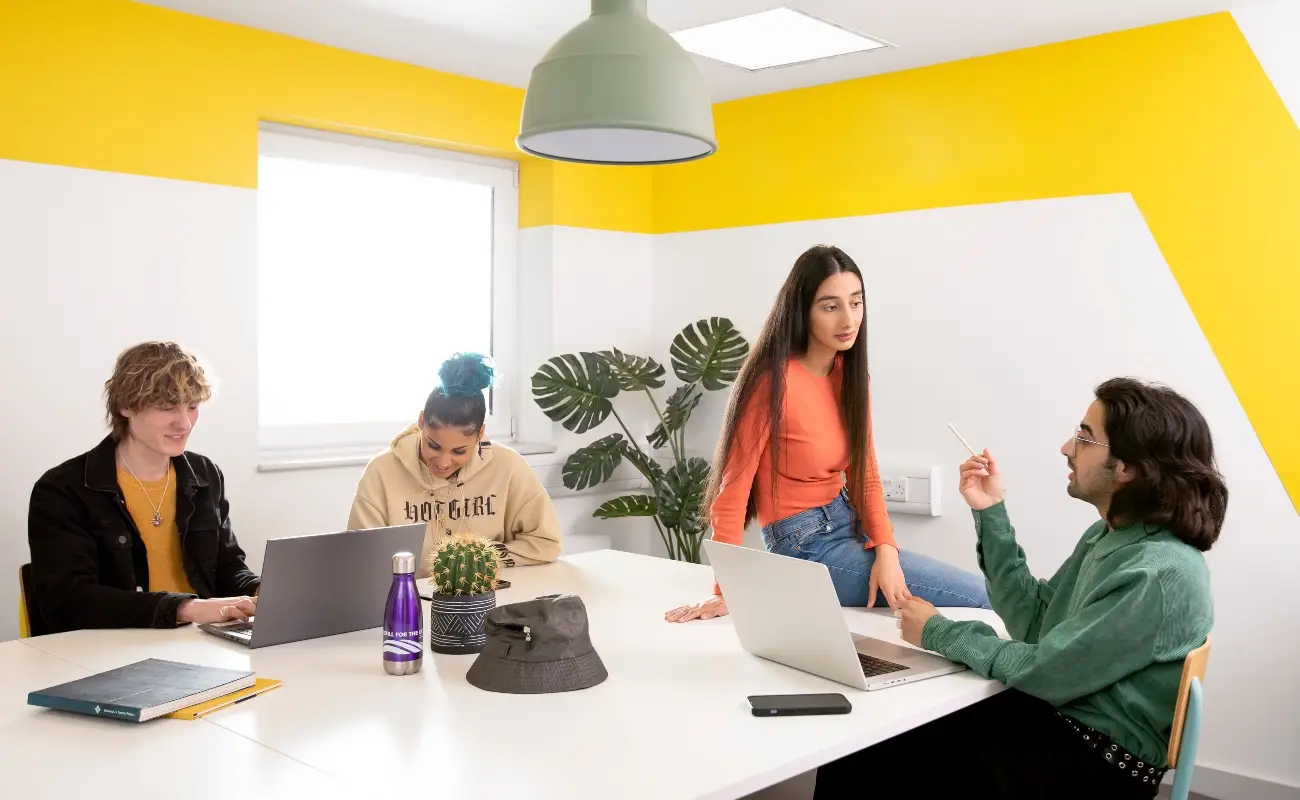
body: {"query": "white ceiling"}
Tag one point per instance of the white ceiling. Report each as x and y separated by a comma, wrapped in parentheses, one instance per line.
(500, 40)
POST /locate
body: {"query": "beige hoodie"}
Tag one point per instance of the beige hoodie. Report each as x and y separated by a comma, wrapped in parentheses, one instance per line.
(496, 495)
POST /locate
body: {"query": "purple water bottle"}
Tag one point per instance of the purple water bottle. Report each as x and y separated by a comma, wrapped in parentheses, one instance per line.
(403, 620)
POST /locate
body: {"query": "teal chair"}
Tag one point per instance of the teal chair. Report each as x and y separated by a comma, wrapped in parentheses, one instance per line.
(1186, 733)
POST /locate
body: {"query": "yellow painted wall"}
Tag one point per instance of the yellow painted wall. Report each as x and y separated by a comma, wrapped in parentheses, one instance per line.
(126, 87)
(1180, 115)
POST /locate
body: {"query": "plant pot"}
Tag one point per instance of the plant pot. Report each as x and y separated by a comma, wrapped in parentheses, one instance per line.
(456, 622)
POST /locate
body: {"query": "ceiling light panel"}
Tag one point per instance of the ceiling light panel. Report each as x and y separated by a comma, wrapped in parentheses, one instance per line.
(774, 38)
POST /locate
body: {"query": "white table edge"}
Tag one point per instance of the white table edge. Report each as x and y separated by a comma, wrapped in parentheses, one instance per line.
(748, 784)
(836, 750)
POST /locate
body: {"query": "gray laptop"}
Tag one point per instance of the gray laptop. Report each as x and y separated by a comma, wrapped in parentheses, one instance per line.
(322, 585)
(785, 610)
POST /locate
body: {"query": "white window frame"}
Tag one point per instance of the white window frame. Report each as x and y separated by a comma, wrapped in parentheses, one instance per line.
(312, 446)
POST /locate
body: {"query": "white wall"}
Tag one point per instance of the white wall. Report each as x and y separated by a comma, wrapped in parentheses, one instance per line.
(1001, 319)
(593, 288)
(1271, 29)
(91, 262)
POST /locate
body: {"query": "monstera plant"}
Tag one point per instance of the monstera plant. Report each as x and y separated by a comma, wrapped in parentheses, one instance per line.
(578, 391)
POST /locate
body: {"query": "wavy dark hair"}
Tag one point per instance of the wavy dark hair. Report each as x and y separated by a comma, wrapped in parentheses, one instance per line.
(1166, 442)
(785, 335)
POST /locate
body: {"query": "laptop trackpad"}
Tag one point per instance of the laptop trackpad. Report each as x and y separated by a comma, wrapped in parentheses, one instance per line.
(881, 649)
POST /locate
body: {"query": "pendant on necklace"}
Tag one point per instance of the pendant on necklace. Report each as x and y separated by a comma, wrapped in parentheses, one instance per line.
(157, 519)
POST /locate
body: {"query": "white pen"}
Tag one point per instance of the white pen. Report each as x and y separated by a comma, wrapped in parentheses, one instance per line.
(962, 439)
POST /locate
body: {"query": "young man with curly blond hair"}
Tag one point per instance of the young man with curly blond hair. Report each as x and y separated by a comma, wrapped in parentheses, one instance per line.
(136, 532)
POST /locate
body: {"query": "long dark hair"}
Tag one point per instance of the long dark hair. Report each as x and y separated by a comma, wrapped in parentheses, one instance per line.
(785, 335)
(1163, 438)
(458, 400)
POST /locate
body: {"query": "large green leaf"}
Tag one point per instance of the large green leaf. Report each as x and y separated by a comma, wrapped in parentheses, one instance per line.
(676, 414)
(634, 373)
(629, 505)
(709, 352)
(593, 464)
(575, 391)
(647, 465)
(681, 493)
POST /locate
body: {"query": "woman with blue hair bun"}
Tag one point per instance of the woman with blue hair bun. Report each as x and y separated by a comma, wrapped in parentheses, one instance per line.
(442, 471)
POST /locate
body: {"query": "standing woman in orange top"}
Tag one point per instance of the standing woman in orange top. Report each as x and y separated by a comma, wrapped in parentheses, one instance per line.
(796, 451)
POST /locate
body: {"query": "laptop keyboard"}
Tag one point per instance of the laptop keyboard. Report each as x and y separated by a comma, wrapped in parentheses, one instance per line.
(872, 666)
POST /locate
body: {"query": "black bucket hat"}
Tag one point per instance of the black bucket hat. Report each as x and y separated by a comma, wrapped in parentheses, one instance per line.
(537, 646)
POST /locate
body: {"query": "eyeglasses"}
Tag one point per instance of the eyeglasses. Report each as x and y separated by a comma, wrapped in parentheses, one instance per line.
(1079, 437)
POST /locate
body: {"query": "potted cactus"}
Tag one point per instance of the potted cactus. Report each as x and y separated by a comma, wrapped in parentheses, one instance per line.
(464, 568)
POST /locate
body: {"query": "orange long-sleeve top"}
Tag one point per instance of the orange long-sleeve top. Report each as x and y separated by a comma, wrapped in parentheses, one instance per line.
(815, 457)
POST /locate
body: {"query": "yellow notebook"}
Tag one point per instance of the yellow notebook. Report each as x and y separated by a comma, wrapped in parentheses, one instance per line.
(225, 701)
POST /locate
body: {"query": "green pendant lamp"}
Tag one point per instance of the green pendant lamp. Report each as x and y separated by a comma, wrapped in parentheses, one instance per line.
(617, 89)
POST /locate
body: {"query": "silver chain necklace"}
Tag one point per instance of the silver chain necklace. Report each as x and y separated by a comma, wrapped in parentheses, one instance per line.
(157, 508)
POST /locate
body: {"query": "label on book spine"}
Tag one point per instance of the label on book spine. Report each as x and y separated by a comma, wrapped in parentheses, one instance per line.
(84, 707)
(117, 711)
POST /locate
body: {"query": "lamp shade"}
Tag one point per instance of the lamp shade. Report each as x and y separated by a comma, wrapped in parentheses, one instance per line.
(617, 89)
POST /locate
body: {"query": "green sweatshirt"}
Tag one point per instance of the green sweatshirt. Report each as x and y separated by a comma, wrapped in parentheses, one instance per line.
(1103, 640)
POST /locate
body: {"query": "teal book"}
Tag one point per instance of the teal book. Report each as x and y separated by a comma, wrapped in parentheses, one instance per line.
(142, 691)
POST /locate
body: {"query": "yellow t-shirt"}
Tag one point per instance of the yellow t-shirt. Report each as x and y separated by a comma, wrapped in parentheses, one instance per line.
(163, 542)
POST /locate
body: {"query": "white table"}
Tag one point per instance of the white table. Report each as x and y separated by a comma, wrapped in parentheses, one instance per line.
(670, 722)
(50, 754)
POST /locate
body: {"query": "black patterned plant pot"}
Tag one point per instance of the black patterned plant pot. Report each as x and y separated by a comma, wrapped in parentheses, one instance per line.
(456, 622)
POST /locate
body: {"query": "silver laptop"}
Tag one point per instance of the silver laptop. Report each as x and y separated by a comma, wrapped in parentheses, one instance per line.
(323, 585)
(785, 610)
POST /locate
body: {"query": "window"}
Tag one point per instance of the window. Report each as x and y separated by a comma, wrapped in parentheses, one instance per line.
(376, 262)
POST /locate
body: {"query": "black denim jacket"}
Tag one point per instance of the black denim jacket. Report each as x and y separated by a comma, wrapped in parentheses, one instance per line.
(89, 564)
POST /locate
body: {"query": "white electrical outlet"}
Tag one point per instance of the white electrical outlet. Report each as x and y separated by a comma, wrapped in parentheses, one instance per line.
(911, 490)
(895, 490)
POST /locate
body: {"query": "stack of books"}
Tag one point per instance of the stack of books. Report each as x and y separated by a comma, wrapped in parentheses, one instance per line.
(153, 688)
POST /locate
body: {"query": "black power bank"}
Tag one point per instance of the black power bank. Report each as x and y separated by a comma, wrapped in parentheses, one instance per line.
(798, 705)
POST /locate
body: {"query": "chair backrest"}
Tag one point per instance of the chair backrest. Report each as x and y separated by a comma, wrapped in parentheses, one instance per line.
(23, 631)
(29, 617)
(1193, 667)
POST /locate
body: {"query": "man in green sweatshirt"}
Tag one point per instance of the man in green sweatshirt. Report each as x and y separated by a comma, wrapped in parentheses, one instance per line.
(1096, 651)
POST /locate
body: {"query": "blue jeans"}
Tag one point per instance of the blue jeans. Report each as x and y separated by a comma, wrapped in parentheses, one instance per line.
(830, 535)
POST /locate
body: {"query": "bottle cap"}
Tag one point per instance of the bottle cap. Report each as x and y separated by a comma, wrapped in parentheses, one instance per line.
(403, 563)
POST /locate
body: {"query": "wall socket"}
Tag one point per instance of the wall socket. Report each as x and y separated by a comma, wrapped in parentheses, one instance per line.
(895, 490)
(911, 490)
